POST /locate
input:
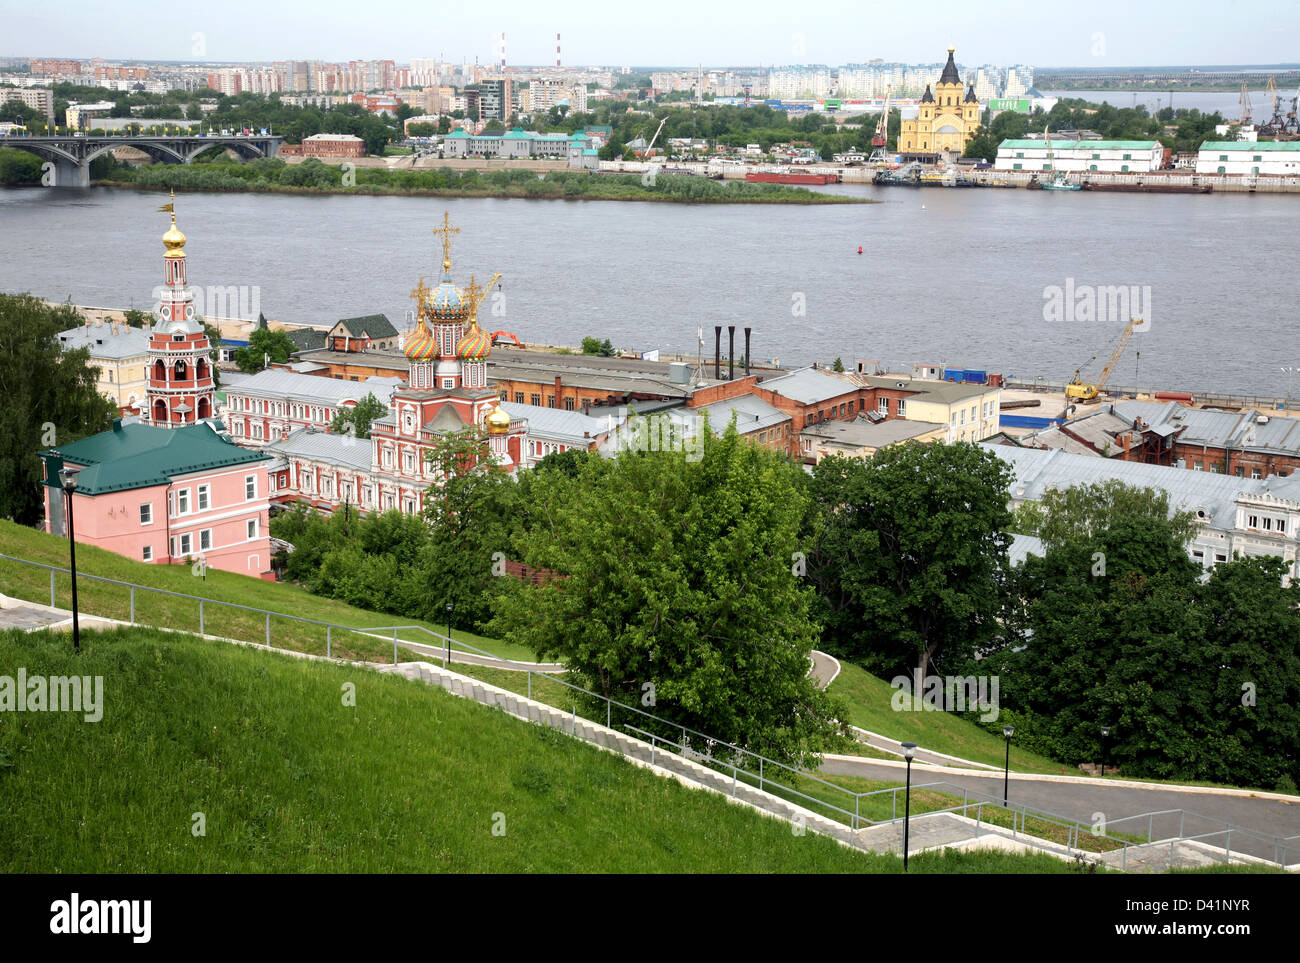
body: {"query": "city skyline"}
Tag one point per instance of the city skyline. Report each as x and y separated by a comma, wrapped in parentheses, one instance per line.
(1105, 34)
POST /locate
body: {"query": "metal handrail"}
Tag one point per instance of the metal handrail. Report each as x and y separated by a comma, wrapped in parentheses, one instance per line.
(709, 741)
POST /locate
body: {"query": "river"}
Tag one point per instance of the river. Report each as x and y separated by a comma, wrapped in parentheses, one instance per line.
(959, 277)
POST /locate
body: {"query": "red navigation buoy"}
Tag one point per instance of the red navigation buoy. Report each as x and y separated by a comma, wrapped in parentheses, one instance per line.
(859, 248)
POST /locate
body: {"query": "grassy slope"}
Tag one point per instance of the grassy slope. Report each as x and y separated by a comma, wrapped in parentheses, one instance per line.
(97, 598)
(869, 707)
(291, 780)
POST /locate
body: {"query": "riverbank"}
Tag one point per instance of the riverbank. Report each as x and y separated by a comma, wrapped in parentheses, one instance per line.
(273, 176)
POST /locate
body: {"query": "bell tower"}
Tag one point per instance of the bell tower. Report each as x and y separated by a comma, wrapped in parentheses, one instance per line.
(180, 386)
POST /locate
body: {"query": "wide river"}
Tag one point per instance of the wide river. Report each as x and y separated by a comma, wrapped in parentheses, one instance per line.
(958, 277)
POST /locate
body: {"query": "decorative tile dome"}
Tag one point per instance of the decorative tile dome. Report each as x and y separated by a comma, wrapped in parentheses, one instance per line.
(446, 302)
(475, 345)
(420, 345)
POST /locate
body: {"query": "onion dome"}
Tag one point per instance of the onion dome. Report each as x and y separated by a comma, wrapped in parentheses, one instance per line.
(420, 345)
(475, 345)
(447, 302)
(174, 241)
(497, 420)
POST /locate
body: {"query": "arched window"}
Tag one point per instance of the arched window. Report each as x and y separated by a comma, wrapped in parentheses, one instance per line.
(181, 370)
(159, 371)
(160, 411)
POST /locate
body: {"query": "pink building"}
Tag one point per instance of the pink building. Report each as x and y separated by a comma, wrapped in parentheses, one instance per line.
(165, 495)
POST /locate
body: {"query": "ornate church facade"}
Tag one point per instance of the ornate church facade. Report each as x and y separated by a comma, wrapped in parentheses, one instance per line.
(946, 118)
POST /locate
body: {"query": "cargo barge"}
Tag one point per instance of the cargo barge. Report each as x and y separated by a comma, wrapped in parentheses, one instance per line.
(791, 178)
(1150, 188)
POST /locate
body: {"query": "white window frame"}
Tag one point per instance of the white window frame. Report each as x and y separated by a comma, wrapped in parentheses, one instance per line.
(203, 499)
(251, 528)
(146, 553)
(182, 501)
(250, 482)
(186, 544)
(205, 539)
(146, 513)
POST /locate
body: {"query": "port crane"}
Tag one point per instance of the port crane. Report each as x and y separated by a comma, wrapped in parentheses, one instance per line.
(1076, 390)
(880, 139)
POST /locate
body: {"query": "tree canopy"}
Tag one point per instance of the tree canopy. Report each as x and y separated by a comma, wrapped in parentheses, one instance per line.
(50, 395)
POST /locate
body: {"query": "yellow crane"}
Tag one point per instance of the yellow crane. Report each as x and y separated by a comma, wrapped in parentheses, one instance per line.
(1076, 390)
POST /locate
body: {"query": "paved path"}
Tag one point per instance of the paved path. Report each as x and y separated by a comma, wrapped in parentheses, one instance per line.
(469, 658)
(1081, 800)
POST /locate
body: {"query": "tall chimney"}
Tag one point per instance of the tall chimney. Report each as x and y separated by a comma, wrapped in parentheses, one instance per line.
(747, 330)
(731, 352)
(717, 352)
(557, 50)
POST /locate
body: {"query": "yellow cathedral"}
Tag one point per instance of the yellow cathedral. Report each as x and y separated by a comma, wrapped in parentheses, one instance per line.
(946, 119)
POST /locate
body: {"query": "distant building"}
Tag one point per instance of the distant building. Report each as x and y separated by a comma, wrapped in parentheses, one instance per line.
(1121, 156)
(945, 119)
(1244, 157)
(514, 143)
(333, 145)
(863, 438)
(271, 404)
(77, 115)
(37, 98)
(120, 353)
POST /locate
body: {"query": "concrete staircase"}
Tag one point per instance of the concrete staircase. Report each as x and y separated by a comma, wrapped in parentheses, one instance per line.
(640, 752)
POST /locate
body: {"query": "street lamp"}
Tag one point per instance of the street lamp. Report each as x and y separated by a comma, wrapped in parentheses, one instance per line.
(1008, 732)
(1105, 732)
(909, 750)
(451, 607)
(69, 475)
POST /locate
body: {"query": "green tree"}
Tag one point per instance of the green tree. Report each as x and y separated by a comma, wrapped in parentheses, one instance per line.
(263, 343)
(908, 554)
(675, 578)
(51, 398)
(356, 420)
(137, 318)
(1082, 511)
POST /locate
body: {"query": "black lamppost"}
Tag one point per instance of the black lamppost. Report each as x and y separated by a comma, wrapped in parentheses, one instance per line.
(451, 607)
(1008, 732)
(909, 750)
(69, 477)
(1105, 733)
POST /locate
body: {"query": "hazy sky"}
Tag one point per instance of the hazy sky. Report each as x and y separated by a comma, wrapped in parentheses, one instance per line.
(665, 32)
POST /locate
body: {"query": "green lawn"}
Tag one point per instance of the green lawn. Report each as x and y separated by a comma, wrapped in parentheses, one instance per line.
(869, 700)
(288, 778)
(99, 598)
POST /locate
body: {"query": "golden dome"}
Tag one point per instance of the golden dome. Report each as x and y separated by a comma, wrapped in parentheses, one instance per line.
(174, 241)
(497, 420)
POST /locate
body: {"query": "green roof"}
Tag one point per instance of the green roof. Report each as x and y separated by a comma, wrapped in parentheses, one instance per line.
(369, 325)
(139, 456)
(1081, 144)
(459, 132)
(1246, 145)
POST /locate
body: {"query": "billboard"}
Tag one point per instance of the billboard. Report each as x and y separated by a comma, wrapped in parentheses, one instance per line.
(1019, 105)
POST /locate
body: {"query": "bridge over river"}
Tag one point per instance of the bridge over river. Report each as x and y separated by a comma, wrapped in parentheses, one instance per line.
(71, 154)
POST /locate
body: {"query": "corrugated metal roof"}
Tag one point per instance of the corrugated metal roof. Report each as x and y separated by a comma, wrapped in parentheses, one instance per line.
(103, 343)
(1022, 546)
(278, 383)
(1035, 471)
(138, 456)
(751, 412)
(865, 434)
(312, 443)
(1059, 145)
(557, 423)
(809, 386)
(1252, 146)
(1219, 429)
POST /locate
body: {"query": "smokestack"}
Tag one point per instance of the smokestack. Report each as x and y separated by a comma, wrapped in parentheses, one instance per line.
(503, 52)
(731, 352)
(557, 50)
(717, 352)
(747, 330)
